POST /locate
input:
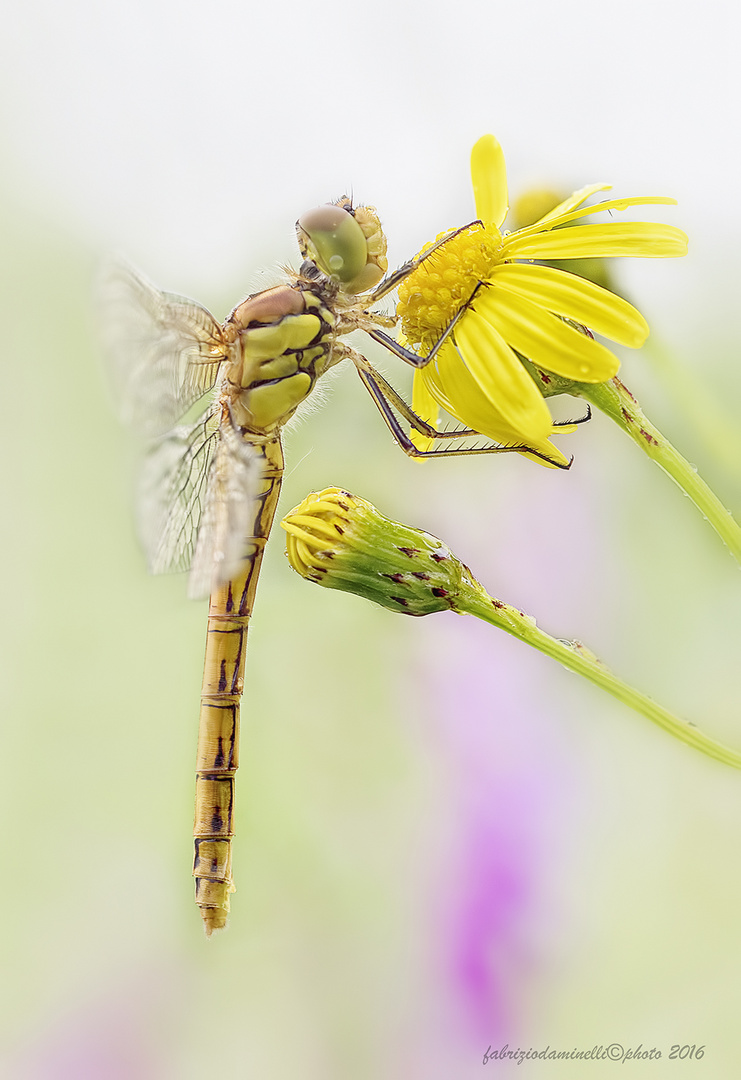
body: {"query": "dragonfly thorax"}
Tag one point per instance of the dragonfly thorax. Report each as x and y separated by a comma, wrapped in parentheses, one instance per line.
(283, 344)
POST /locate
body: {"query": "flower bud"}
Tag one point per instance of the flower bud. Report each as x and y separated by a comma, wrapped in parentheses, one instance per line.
(341, 541)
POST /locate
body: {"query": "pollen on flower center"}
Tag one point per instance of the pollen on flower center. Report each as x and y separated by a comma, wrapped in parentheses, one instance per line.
(440, 286)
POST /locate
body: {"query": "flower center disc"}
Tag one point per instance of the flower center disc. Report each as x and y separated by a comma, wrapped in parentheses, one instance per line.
(431, 296)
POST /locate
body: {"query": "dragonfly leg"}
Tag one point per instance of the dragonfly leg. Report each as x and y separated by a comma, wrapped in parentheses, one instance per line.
(408, 355)
(389, 283)
(412, 417)
(581, 420)
(388, 402)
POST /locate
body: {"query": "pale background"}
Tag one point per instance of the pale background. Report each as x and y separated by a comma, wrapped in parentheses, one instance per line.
(444, 841)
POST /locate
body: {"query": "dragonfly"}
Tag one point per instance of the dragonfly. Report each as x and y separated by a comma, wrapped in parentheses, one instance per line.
(211, 399)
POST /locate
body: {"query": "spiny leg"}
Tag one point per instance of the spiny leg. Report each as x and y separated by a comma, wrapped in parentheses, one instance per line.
(414, 360)
(397, 402)
(408, 355)
(581, 420)
(387, 399)
(387, 411)
(389, 283)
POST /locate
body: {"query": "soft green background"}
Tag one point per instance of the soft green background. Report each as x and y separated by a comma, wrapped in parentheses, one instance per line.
(372, 744)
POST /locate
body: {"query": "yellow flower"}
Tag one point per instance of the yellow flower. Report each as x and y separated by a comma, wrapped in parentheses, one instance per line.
(516, 306)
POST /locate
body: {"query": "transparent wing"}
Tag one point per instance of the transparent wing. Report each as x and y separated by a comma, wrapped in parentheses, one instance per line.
(173, 492)
(228, 518)
(197, 501)
(164, 351)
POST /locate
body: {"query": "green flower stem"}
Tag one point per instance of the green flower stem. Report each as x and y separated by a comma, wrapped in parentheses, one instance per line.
(474, 600)
(616, 401)
(697, 408)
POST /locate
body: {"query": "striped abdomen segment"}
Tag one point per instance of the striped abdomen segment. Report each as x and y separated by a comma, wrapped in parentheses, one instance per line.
(218, 733)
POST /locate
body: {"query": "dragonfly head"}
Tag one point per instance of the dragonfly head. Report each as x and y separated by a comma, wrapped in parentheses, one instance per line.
(345, 242)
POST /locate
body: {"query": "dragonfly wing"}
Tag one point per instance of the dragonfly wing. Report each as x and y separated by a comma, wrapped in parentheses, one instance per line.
(173, 492)
(164, 351)
(228, 518)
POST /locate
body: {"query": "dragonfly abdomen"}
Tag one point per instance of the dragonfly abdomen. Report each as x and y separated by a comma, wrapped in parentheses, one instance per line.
(216, 764)
(217, 760)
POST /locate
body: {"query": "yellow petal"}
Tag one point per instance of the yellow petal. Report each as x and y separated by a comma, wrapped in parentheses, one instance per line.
(573, 201)
(453, 386)
(501, 377)
(557, 458)
(440, 377)
(426, 408)
(575, 298)
(556, 220)
(642, 239)
(545, 339)
(489, 178)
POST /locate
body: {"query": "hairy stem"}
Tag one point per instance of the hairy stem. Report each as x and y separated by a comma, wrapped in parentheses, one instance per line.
(617, 402)
(574, 656)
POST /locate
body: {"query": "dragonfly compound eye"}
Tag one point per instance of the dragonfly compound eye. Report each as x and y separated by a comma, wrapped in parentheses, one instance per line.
(331, 237)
